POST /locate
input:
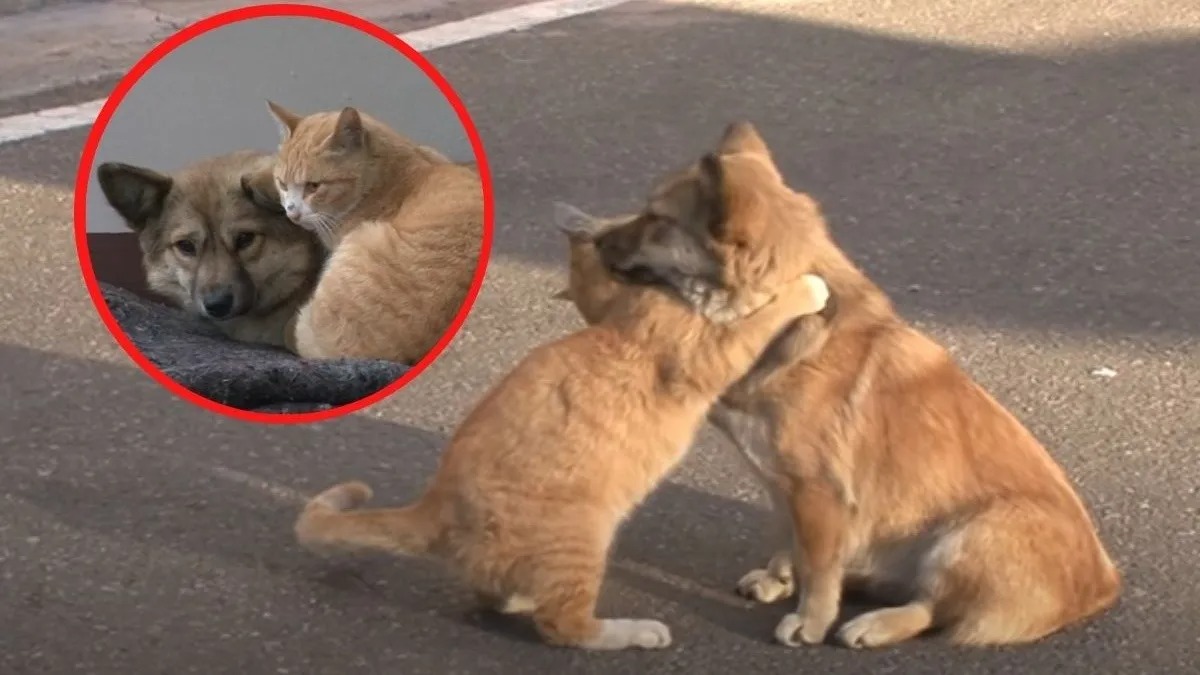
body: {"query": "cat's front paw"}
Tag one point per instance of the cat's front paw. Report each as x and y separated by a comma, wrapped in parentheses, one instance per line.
(818, 292)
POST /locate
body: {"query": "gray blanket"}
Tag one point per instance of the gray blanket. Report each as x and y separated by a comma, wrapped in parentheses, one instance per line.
(195, 354)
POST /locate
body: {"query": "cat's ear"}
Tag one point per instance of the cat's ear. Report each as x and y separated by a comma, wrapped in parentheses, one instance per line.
(348, 133)
(138, 194)
(286, 120)
(573, 222)
(259, 188)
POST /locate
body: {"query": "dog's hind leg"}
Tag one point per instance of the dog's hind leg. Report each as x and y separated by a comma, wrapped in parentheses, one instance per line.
(1015, 572)
(1021, 570)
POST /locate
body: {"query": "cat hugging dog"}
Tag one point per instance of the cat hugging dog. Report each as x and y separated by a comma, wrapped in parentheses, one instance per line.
(895, 473)
(353, 242)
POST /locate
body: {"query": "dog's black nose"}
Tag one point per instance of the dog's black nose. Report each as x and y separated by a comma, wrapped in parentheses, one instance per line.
(219, 303)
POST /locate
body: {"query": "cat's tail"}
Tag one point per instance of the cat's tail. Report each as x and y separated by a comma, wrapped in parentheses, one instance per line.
(333, 521)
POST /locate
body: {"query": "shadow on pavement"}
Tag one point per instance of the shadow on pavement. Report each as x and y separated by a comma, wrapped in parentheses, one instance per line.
(135, 520)
(162, 517)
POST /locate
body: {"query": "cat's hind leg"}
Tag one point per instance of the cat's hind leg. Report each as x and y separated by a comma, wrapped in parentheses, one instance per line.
(509, 604)
(566, 587)
(301, 336)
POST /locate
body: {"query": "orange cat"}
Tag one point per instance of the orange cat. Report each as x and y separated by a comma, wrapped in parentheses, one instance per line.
(539, 476)
(404, 226)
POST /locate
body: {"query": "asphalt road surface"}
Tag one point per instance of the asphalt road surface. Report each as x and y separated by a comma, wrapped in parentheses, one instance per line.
(1023, 179)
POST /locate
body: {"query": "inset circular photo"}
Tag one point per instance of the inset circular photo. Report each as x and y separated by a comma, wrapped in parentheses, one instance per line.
(283, 213)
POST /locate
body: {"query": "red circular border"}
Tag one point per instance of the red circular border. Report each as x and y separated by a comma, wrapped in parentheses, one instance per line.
(147, 62)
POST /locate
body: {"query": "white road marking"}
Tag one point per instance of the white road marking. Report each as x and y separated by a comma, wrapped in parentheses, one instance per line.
(501, 21)
(30, 125)
(34, 124)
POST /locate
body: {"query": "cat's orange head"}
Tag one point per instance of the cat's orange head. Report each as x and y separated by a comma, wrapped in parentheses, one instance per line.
(325, 167)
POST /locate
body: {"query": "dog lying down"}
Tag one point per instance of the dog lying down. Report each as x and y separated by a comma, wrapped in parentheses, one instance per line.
(197, 355)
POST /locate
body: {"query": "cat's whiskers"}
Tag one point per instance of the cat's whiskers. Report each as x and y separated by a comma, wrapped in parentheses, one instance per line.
(324, 226)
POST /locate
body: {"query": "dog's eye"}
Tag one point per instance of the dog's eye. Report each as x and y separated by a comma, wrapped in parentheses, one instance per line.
(186, 247)
(243, 240)
(311, 187)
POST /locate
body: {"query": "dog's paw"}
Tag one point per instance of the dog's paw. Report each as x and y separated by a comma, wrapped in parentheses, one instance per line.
(886, 626)
(861, 632)
(796, 629)
(763, 586)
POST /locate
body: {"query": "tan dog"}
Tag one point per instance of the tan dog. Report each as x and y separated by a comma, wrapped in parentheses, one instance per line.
(902, 476)
(539, 476)
(215, 241)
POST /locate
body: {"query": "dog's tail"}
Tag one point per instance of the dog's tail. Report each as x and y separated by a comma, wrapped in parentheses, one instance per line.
(332, 520)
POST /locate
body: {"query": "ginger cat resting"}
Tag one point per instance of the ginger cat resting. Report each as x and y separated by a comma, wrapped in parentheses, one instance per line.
(404, 226)
(898, 474)
(535, 482)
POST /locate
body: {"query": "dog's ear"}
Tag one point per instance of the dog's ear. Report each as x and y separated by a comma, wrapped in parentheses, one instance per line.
(137, 193)
(259, 188)
(741, 136)
(732, 180)
(694, 197)
(348, 132)
(286, 120)
(711, 195)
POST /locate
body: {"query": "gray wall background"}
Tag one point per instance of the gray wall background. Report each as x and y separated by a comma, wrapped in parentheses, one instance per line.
(209, 97)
